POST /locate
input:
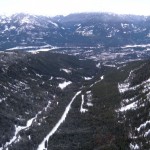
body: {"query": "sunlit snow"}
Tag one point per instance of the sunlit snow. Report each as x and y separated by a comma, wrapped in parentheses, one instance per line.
(66, 70)
(64, 84)
(82, 110)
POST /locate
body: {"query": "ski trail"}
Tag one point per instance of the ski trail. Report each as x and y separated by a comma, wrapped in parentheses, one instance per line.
(62, 119)
(101, 78)
(29, 123)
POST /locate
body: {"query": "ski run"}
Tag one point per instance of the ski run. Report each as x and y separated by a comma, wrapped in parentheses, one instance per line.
(55, 128)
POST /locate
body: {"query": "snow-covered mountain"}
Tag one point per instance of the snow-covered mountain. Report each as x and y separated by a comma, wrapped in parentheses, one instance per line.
(79, 82)
(91, 29)
(27, 30)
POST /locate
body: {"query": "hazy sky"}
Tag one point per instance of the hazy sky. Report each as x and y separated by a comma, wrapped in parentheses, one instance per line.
(64, 7)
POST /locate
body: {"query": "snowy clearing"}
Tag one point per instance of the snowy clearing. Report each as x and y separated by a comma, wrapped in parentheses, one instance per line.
(64, 84)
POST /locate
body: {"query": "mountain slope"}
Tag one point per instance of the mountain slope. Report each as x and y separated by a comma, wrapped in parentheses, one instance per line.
(32, 86)
(134, 111)
(93, 29)
(97, 99)
(57, 101)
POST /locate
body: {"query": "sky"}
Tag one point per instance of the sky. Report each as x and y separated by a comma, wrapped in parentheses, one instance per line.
(65, 7)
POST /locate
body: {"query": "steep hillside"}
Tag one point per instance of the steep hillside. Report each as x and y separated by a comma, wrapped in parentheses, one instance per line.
(53, 101)
(134, 110)
(32, 88)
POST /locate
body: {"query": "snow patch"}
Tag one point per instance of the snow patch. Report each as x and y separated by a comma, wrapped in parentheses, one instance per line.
(38, 75)
(17, 130)
(55, 24)
(41, 50)
(123, 87)
(134, 146)
(88, 78)
(82, 110)
(142, 126)
(134, 46)
(102, 78)
(147, 133)
(66, 70)
(113, 66)
(98, 65)
(64, 84)
(128, 107)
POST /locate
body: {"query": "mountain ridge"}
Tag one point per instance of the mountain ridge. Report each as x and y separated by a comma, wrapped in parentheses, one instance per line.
(75, 30)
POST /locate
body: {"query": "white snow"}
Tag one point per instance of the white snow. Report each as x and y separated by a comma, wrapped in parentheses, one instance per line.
(98, 65)
(29, 137)
(55, 24)
(17, 130)
(25, 20)
(60, 78)
(147, 133)
(34, 49)
(23, 47)
(142, 126)
(48, 105)
(124, 25)
(12, 28)
(88, 78)
(55, 128)
(85, 31)
(134, 46)
(3, 99)
(128, 107)
(66, 70)
(82, 110)
(64, 84)
(110, 65)
(38, 75)
(134, 146)
(102, 77)
(129, 100)
(89, 104)
(131, 104)
(46, 46)
(51, 78)
(41, 50)
(123, 87)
